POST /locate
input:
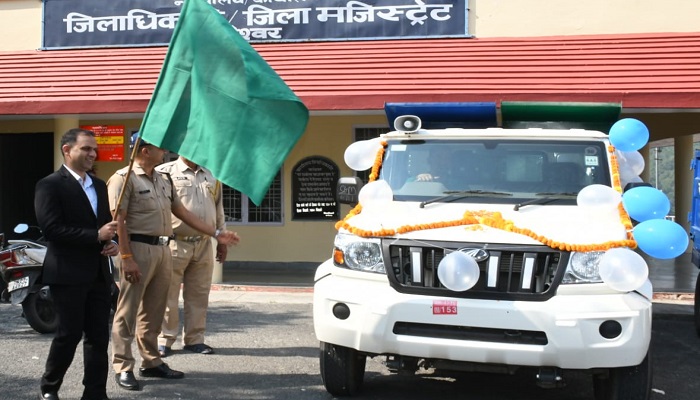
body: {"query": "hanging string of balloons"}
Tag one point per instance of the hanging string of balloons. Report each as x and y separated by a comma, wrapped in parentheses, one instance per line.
(655, 235)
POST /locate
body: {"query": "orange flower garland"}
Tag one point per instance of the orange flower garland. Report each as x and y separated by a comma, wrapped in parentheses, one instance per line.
(617, 185)
(374, 174)
(472, 219)
(496, 220)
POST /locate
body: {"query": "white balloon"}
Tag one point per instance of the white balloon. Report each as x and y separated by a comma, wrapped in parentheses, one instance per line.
(458, 271)
(627, 172)
(375, 195)
(360, 155)
(598, 197)
(623, 269)
(634, 161)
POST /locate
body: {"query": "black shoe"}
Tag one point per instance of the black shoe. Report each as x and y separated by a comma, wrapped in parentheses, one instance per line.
(200, 348)
(165, 351)
(127, 380)
(161, 371)
(49, 396)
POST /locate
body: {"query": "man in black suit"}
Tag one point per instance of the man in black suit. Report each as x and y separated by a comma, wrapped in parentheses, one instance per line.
(72, 209)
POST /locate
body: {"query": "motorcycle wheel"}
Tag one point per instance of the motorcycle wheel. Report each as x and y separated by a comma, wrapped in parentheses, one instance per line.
(40, 313)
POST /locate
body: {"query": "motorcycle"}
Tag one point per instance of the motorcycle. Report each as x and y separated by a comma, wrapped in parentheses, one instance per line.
(21, 265)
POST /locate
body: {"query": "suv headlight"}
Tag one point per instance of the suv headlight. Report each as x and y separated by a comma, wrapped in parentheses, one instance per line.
(360, 254)
(583, 268)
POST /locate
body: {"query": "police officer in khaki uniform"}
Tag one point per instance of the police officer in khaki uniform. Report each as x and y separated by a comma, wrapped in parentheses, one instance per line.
(144, 230)
(192, 254)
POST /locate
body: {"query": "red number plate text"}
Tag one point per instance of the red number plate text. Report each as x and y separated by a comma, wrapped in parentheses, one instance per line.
(444, 307)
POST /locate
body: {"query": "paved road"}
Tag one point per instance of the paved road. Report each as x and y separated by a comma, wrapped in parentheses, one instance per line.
(266, 349)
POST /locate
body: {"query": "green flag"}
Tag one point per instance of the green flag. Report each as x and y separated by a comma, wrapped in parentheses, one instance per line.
(219, 104)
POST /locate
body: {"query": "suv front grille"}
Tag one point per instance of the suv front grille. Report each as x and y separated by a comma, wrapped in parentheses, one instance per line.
(529, 273)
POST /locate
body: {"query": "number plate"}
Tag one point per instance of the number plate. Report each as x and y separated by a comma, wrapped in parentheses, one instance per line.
(18, 284)
(444, 307)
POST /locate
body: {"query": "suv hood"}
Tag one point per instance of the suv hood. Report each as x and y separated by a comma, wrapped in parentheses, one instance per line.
(536, 224)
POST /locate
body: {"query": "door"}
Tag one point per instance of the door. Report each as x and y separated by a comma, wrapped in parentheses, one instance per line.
(24, 159)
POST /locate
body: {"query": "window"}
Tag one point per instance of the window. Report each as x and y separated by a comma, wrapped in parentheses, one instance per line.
(366, 134)
(506, 169)
(240, 210)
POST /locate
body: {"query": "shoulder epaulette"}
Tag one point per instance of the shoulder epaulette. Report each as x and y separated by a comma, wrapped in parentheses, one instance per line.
(165, 168)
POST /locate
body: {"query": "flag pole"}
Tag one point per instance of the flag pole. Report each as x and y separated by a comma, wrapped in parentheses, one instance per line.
(128, 175)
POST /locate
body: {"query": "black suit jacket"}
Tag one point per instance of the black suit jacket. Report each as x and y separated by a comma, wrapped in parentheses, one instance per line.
(70, 228)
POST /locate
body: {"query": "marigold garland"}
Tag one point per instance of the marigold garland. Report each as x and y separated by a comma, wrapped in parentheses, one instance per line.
(617, 185)
(473, 219)
(374, 174)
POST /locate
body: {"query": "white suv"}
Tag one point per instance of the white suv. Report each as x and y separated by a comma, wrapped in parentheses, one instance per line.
(489, 265)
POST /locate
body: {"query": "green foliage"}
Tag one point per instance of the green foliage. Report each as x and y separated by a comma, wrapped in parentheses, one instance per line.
(666, 182)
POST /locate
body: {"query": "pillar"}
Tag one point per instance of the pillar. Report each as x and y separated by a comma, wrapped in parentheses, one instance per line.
(683, 153)
(648, 159)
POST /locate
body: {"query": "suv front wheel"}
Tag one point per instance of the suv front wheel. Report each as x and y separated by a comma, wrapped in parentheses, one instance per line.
(625, 383)
(342, 369)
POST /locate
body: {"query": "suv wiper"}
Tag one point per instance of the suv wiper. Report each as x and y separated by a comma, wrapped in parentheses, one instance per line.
(548, 197)
(452, 195)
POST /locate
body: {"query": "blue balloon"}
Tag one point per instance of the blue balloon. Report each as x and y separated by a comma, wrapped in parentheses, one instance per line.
(629, 134)
(643, 203)
(661, 238)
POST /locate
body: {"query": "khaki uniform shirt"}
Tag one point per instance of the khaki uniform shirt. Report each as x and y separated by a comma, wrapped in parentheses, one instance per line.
(199, 192)
(147, 201)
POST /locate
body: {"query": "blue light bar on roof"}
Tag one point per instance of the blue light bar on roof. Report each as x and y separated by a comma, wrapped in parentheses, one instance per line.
(446, 115)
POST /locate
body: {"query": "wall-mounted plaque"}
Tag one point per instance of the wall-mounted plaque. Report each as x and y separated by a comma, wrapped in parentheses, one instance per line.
(110, 141)
(314, 189)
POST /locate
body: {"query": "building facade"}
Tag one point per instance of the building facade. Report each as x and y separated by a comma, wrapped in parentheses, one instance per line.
(642, 54)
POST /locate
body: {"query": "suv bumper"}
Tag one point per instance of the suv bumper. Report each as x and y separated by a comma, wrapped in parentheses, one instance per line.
(571, 323)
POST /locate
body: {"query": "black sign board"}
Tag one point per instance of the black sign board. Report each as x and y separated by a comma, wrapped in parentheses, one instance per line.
(314, 189)
(100, 23)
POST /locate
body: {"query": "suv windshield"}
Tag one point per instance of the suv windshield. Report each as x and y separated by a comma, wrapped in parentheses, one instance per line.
(508, 171)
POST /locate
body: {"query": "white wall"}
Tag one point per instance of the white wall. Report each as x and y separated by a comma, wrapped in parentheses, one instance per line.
(20, 25)
(20, 20)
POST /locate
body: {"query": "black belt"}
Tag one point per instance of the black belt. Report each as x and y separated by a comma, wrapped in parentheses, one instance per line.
(152, 240)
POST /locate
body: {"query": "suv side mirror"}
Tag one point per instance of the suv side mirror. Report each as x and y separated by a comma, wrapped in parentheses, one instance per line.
(348, 189)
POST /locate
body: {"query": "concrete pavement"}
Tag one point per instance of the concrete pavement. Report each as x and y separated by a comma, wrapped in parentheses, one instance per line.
(260, 294)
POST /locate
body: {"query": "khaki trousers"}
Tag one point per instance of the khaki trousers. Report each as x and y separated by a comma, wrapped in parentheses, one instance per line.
(193, 265)
(140, 308)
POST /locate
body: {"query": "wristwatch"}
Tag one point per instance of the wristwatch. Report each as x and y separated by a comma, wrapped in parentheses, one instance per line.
(217, 233)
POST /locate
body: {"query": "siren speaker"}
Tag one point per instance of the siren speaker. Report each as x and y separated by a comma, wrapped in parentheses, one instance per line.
(407, 123)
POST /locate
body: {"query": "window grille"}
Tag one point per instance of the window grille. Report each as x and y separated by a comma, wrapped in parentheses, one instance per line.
(239, 209)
